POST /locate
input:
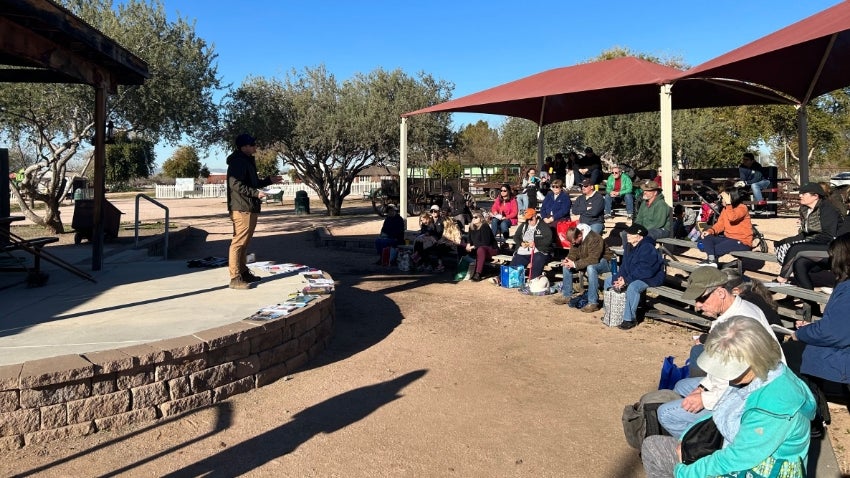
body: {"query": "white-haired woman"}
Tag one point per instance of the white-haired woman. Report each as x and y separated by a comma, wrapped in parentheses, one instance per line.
(764, 416)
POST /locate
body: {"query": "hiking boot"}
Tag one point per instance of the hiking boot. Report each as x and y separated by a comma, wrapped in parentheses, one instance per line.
(238, 283)
(590, 308)
(627, 325)
(560, 299)
(247, 276)
(476, 277)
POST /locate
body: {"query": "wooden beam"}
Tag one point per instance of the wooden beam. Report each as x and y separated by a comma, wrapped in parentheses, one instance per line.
(18, 41)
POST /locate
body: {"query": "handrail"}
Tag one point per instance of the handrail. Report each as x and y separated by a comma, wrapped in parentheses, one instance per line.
(139, 196)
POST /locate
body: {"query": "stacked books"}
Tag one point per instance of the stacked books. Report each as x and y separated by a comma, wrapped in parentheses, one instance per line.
(276, 311)
(317, 283)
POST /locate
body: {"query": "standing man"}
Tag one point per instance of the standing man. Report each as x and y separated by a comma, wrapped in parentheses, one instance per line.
(752, 174)
(619, 187)
(243, 204)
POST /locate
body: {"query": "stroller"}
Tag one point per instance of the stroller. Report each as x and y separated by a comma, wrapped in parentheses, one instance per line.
(711, 205)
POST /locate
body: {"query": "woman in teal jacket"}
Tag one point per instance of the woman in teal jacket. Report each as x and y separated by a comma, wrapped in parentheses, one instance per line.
(764, 416)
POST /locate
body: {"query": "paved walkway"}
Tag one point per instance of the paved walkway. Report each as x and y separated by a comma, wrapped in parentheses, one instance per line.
(136, 299)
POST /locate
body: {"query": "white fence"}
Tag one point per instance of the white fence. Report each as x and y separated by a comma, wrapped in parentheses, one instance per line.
(358, 190)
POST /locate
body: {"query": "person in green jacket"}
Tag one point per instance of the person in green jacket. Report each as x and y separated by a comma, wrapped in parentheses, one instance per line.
(763, 417)
(654, 213)
(618, 187)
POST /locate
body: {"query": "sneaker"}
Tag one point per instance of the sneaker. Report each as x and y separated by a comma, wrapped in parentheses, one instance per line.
(626, 325)
(590, 308)
(707, 262)
(247, 276)
(476, 277)
(238, 283)
(560, 299)
(609, 216)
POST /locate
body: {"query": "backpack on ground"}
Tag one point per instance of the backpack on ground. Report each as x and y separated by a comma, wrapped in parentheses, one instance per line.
(640, 420)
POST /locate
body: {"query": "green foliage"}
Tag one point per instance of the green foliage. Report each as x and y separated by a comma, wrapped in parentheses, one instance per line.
(184, 163)
(127, 159)
(478, 145)
(445, 169)
(266, 163)
(54, 123)
(328, 131)
(205, 171)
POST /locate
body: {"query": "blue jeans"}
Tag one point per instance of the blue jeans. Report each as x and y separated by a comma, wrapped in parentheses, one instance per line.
(629, 199)
(672, 416)
(719, 245)
(521, 203)
(597, 227)
(633, 292)
(500, 225)
(593, 271)
(757, 187)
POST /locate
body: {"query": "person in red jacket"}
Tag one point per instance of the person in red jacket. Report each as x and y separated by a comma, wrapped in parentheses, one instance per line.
(504, 212)
(734, 223)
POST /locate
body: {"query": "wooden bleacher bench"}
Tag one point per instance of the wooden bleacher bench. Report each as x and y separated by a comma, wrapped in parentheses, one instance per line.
(501, 259)
(751, 256)
(798, 292)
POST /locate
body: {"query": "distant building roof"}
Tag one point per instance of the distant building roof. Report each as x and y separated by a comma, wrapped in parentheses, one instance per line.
(379, 171)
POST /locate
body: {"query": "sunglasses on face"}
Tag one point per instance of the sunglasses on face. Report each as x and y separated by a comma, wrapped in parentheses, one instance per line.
(504, 190)
(705, 296)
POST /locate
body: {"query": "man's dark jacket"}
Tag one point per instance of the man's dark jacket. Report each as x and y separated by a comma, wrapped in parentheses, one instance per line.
(243, 185)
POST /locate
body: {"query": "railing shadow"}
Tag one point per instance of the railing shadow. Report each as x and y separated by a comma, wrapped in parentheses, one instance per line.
(325, 417)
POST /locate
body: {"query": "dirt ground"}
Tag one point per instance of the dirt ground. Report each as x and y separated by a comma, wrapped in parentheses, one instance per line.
(424, 377)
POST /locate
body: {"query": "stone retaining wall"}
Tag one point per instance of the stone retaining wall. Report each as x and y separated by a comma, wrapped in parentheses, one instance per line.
(75, 395)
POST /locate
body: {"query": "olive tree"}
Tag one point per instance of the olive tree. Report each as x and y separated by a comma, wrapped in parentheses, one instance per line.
(54, 123)
(328, 131)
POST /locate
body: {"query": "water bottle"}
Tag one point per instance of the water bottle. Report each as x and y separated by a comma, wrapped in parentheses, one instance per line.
(614, 266)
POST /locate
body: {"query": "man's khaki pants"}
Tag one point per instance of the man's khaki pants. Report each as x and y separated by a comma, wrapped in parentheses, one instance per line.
(243, 229)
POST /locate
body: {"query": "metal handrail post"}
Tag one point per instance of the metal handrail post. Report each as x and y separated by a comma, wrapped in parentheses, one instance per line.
(139, 196)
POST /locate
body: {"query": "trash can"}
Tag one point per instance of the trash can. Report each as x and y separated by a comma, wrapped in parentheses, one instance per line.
(83, 222)
(302, 203)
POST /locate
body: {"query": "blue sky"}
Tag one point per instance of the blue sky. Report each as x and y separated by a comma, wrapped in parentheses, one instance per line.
(473, 44)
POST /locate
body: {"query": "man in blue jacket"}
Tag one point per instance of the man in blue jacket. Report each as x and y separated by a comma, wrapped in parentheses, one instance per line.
(642, 267)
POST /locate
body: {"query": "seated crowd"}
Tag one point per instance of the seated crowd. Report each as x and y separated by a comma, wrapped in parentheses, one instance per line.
(762, 391)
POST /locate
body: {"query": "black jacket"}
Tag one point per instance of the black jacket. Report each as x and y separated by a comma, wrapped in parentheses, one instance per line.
(243, 185)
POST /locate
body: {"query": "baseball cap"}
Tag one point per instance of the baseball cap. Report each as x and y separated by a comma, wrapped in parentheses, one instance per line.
(586, 183)
(434, 207)
(636, 229)
(529, 213)
(813, 188)
(724, 368)
(245, 139)
(702, 280)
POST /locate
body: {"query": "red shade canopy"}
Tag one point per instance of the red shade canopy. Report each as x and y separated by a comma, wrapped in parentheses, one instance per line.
(804, 60)
(609, 87)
